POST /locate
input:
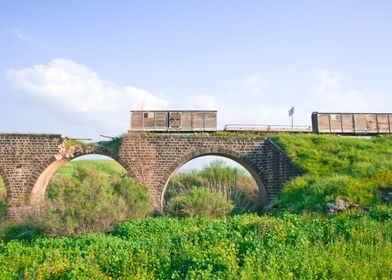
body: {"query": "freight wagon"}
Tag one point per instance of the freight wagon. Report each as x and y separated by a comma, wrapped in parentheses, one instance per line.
(352, 123)
(173, 120)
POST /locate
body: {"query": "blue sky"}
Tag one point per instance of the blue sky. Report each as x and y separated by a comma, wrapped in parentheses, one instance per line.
(78, 67)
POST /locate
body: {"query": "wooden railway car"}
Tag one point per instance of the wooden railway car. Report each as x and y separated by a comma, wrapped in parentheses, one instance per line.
(173, 120)
(352, 123)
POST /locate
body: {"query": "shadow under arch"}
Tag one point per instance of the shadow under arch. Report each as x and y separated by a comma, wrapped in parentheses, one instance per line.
(46, 172)
(230, 154)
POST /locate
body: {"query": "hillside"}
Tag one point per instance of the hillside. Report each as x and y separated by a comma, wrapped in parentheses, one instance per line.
(358, 170)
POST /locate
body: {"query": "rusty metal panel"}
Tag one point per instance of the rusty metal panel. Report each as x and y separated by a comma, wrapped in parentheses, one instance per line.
(347, 123)
(383, 123)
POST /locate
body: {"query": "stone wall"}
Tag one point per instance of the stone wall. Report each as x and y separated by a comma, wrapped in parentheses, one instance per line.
(22, 159)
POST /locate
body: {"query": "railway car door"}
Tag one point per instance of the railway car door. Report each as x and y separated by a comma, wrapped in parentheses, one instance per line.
(175, 120)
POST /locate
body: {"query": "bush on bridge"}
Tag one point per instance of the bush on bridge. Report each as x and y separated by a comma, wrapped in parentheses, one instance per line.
(353, 169)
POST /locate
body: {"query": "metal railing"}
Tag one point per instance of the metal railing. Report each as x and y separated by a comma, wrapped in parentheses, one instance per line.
(267, 128)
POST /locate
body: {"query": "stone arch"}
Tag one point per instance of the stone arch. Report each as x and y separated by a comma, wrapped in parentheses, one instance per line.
(218, 151)
(44, 173)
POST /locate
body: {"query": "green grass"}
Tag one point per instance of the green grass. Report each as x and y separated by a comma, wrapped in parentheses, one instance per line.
(355, 169)
(108, 167)
(242, 247)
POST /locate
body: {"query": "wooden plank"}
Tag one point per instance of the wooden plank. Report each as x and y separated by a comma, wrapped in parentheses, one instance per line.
(136, 121)
(148, 120)
(335, 123)
(371, 123)
(210, 121)
(347, 123)
(161, 121)
(383, 124)
(186, 121)
(197, 121)
(360, 123)
(323, 123)
(390, 123)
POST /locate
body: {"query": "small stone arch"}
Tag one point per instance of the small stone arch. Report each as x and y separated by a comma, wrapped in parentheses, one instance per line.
(217, 151)
(44, 173)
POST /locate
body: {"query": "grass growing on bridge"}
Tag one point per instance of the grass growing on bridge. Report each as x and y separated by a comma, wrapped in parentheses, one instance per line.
(354, 169)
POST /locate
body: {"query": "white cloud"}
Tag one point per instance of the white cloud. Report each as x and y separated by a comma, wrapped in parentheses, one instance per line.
(20, 35)
(75, 93)
(255, 84)
(328, 81)
(78, 96)
(331, 94)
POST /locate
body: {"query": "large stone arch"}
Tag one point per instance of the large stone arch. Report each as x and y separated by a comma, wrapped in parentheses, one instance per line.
(43, 173)
(217, 151)
(155, 158)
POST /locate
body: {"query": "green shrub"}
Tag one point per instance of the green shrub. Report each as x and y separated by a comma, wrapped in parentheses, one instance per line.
(22, 231)
(91, 200)
(234, 184)
(240, 247)
(200, 202)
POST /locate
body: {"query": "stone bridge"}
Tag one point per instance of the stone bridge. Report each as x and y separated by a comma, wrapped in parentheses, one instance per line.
(28, 162)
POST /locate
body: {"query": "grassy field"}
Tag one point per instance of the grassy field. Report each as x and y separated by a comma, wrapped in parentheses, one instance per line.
(241, 247)
(106, 166)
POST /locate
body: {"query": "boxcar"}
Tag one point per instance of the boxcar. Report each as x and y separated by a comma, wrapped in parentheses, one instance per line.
(352, 123)
(174, 120)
